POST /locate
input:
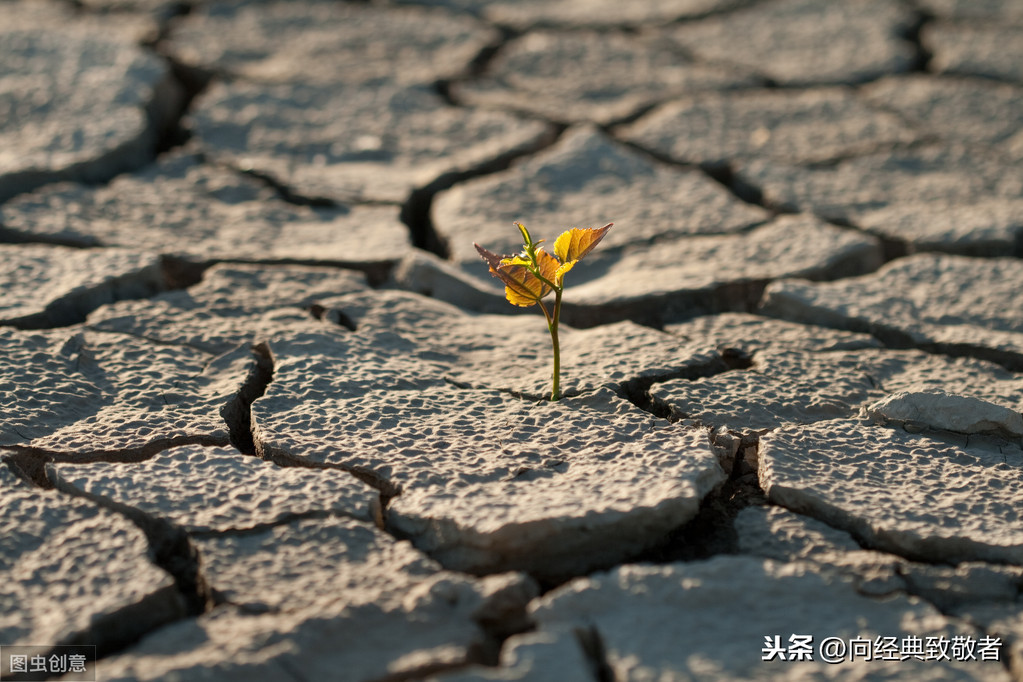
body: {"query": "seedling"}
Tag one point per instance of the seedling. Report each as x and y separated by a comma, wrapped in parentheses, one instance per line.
(533, 273)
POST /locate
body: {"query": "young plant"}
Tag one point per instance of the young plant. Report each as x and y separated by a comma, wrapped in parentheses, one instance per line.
(533, 273)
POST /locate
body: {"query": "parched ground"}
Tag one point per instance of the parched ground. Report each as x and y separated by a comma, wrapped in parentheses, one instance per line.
(265, 416)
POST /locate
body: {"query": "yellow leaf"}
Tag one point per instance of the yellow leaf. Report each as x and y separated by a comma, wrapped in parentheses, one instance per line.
(521, 287)
(547, 264)
(577, 242)
(525, 288)
(520, 259)
(559, 274)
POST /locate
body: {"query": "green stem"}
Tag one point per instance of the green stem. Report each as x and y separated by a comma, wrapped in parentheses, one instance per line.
(552, 325)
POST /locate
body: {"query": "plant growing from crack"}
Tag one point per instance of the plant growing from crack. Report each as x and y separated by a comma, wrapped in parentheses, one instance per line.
(533, 273)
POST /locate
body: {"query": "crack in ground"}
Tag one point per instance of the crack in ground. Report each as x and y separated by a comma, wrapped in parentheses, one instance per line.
(292, 671)
(894, 248)
(654, 311)
(712, 530)
(9, 235)
(928, 595)
(885, 541)
(424, 671)
(592, 644)
(641, 111)
(907, 584)
(376, 272)
(212, 354)
(334, 315)
(717, 10)
(31, 460)
(192, 80)
(721, 173)
(922, 56)
(496, 630)
(589, 638)
(75, 306)
(891, 248)
(477, 66)
(172, 551)
(288, 195)
(742, 451)
(658, 310)
(386, 489)
(190, 85)
(163, 112)
(1018, 246)
(416, 210)
(237, 413)
(637, 389)
(724, 174)
(20, 472)
(896, 339)
(287, 519)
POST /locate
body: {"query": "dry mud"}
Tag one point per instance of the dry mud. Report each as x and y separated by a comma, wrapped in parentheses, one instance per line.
(265, 416)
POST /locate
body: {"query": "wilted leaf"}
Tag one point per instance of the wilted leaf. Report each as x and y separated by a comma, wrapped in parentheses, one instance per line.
(491, 258)
(577, 242)
(521, 286)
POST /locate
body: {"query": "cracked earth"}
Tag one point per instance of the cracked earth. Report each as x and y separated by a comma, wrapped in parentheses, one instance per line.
(265, 416)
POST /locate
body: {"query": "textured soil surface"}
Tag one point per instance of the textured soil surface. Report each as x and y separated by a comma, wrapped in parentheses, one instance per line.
(264, 415)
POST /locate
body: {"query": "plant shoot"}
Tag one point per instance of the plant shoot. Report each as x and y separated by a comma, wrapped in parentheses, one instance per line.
(532, 274)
